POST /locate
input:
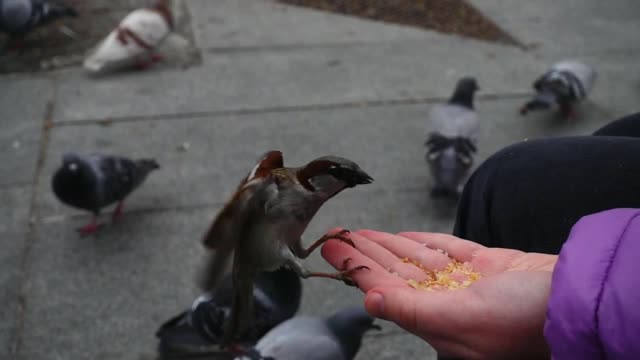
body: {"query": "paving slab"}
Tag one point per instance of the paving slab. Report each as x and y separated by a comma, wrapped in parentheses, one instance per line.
(23, 102)
(298, 77)
(14, 215)
(385, 140)
(569, 27)
(266, 23)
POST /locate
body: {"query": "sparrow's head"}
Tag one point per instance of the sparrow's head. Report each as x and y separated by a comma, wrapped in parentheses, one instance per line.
(332, 174)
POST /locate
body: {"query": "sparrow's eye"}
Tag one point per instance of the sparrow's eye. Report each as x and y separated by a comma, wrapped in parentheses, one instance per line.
(464, 159)
(73, 167)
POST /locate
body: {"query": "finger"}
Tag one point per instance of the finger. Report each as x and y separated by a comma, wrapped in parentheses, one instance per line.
(387, 260)
(459, 249)
(336, 252)
(420, 312)
(409, 249)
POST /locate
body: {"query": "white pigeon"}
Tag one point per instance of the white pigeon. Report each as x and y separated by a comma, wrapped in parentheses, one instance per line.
(134, 41)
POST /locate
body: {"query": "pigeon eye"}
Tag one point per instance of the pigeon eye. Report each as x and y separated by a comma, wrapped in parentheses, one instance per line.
(73, 166)
(464, 159)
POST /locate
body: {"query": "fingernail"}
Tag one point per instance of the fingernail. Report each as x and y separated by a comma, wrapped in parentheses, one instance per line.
(375, 304)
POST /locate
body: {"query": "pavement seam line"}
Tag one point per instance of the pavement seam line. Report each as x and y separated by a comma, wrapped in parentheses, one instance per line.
(23, 286)
(281, 109)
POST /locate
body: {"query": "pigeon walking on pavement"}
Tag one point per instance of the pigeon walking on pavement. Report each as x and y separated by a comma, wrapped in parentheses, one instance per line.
(196, 333)
(19, 17)
(565, 84)
(91, 182)
(134, 41)
(337, 337)
(451, 139)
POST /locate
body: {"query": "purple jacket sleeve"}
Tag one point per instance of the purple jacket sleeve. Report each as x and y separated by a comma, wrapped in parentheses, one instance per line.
(594, 306)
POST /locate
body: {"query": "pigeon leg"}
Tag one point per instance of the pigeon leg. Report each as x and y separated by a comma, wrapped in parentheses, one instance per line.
(343, 275)
(117, 213)
(304, 253)
(90, 228)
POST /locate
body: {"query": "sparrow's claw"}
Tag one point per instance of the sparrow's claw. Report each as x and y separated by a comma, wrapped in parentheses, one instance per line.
(340, 235)
(345, 274)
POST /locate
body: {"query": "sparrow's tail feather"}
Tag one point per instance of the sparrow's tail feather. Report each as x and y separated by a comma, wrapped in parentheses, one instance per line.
(242, 306)
(214, 269)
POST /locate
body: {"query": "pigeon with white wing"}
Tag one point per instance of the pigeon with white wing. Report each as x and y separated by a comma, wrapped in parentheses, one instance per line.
(565, 84)
(451, 139)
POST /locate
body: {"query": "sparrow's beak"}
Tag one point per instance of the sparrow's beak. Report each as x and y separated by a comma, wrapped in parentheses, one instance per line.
(362, 177)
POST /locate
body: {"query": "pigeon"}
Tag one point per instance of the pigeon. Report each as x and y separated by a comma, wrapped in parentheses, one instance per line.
(451, 139)
(565, 84)
(19, 17)
(337, 337)
(197, 332)
(91, 182)
(134, 41)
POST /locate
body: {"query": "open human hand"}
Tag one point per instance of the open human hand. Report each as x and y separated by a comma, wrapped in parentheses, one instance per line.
(499, 316)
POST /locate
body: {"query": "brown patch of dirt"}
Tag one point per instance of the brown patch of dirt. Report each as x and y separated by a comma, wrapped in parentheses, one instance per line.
(446, 16)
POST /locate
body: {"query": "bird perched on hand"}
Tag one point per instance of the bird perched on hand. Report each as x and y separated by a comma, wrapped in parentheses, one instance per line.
(19, 17)
(198, 331)
(264, 220)
(91, 182)
(451, 139)
(134, 41)
(337, 337)
(565, 84)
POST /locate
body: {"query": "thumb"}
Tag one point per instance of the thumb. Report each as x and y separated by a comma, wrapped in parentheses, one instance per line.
(399, 304)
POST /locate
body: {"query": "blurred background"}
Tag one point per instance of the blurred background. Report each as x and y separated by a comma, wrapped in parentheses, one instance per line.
(308, 77)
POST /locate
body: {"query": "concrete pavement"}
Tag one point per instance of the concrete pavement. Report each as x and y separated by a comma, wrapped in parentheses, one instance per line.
(272, 77)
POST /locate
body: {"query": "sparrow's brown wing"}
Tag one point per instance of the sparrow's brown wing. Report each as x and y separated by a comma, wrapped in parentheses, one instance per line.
(219, 230)
(223, 235)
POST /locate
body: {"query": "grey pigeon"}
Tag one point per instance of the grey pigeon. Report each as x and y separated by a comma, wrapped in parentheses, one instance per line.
(451, 139)
(197, 332)
(18, 17)
(565, 84)
(337, 337)
(91, 182)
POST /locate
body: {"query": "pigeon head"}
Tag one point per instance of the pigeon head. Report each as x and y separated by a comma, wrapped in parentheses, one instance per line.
(349, 325)
(283, 288)
(74, 182)
(332, 174)
(464, 91)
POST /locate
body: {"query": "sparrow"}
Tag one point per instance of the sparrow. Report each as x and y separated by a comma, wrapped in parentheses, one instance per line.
(197, 331)
(564, 84)
(91, 182)
(452, 134)
(134, 41)
(337, 337)
(263, 223)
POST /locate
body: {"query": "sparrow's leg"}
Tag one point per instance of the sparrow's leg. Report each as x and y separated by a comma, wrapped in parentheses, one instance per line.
(90, 228)
(303, 253)
(343, 275)
(117, 213)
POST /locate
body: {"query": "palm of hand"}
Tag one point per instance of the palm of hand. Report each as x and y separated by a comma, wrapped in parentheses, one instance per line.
(499, 316)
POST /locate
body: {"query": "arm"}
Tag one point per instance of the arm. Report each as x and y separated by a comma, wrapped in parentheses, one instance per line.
(593, 307)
